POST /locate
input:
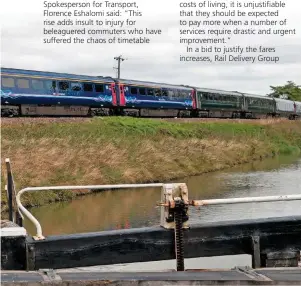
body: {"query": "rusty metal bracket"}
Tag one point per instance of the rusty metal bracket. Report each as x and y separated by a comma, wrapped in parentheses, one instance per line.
(38, 237)
(169, 195)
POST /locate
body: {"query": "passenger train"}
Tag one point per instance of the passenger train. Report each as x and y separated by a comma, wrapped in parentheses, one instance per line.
(37, 93)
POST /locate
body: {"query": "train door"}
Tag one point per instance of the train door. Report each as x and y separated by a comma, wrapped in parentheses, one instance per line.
(245, 105)
(114, 96)
(194, 99)
(199, 97)
(121, 95)
(295, 108)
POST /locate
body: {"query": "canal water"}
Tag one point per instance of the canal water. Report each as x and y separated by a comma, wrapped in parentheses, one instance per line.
(137, 208)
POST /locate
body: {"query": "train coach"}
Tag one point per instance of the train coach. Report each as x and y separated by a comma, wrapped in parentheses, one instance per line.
(25, 92)
(149, 99)
(286, 108)
(218, 103)
(257, 106)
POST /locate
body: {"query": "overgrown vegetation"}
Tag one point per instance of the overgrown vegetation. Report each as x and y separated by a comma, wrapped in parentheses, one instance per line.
(128, 150)
(290, 91)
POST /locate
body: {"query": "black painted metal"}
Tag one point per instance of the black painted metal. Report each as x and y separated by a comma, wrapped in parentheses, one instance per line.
(283, 259)
(13, 254)
(18, 218)
(156, 243)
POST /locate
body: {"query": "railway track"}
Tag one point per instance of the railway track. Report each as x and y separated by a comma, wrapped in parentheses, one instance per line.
(48, 120)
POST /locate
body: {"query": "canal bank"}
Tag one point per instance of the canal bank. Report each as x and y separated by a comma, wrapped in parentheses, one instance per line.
(128, 150)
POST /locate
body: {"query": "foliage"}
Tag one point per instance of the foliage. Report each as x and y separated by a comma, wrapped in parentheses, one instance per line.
(290, 89)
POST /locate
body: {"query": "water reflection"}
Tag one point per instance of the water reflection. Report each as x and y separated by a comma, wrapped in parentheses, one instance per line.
(101, 211)
(136, 208)
(267, 178)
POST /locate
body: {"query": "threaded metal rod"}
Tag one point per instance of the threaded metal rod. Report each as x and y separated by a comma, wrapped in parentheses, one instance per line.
(179, 237)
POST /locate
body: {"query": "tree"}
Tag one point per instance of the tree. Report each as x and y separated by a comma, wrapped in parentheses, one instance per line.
(290, 91)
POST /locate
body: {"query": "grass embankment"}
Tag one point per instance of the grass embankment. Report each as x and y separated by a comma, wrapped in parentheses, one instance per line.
(127, 150)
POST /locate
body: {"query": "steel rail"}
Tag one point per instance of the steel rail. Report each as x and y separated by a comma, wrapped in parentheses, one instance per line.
(245, 200)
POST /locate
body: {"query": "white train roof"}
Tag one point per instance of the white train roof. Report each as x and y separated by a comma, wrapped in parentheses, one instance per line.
(236, 93)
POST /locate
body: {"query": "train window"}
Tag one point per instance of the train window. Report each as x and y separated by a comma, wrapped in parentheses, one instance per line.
(37, 84)
(50, 85)
(164, 93)
(157, 92)
(22, 83)
(134, 90)
(142, 91)
(7, 82)
(185, 94)
(150, 91)
(99, 88)
(63, 85)
(182, 94)
(171, 93)
(76, 86)
(217, 97)
(88, 87)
